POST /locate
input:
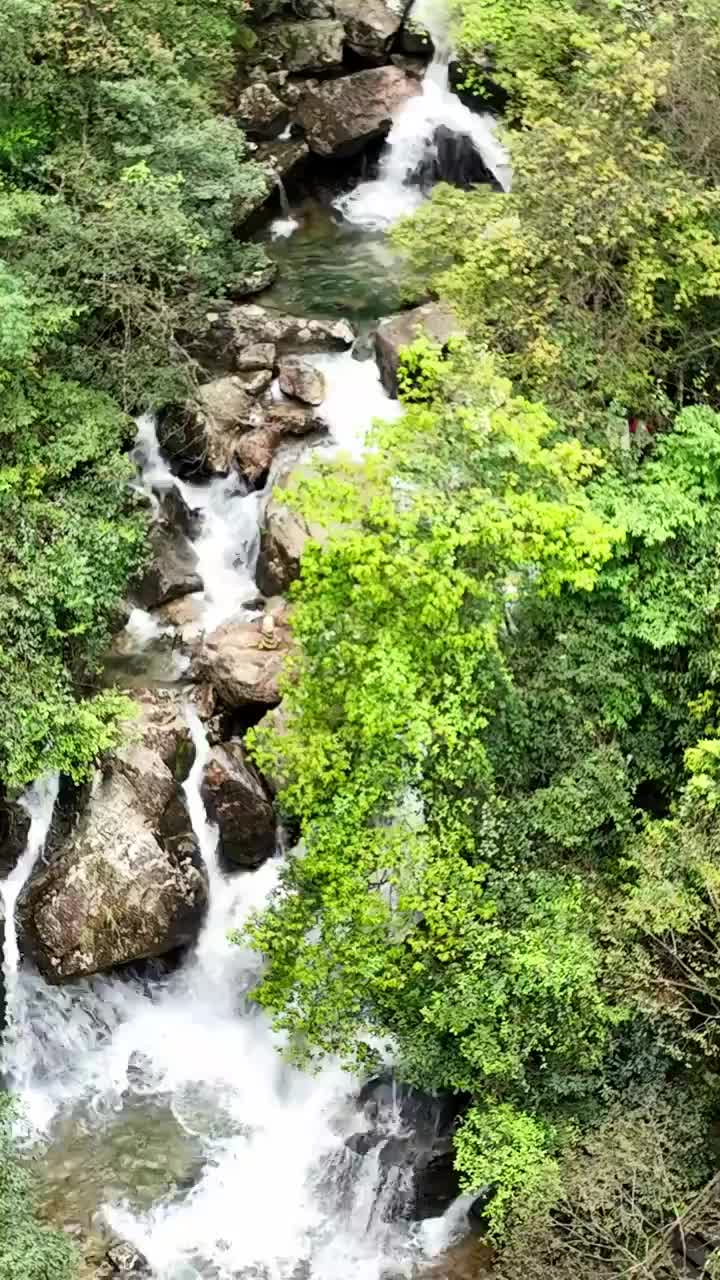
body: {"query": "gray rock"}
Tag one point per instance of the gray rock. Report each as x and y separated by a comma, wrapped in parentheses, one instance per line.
(370, 25)
(257, 382)
(433, 319)
(306, 47)
(201, 435)
(340, 117)
(243, 661)
(252, 324)
(113, 894)
(298, 378)
(172, 571)
(260, 113)
(255, 451)
(260, 355)
(238, 803)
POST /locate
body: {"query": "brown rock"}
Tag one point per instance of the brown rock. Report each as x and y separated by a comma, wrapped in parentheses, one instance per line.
(308, 47)
(340, 117)
(260, 113)
(370, 25)
(300, 379)
(433, 319)
(238, 803)
(251, 324)
(244, 660)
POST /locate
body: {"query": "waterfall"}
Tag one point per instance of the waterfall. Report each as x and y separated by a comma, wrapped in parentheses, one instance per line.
(412, 144)
(39, 803)
(129, 1057)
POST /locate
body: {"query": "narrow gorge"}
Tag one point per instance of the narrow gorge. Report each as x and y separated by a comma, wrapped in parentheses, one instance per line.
(174, 1139)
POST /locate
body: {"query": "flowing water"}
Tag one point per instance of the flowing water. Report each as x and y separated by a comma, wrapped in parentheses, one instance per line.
(160, 1100)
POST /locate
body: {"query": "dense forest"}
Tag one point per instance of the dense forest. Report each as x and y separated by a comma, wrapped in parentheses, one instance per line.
(500, 740)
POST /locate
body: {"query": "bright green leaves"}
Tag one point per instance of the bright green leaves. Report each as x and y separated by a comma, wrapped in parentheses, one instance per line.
(28, 1250)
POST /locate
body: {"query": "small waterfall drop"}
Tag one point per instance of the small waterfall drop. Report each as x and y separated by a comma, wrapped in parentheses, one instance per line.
(39, 802)
(411, 146)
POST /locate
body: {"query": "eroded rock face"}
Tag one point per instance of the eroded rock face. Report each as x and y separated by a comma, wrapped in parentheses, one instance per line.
(307, 47)
(237, 801)
(432, 319)
(298, 378)
(260, 113)
(172, 572)
(14, 829)
(200, 436)
(340, 117)
(252, 324)
(243, 661)
(113, 894)
(370, 25)
(284, 534)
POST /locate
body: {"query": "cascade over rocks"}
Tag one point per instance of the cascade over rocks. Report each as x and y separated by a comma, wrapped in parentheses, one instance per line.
(172, 571)
(432, 319)
(300, 379)
(243, 661)
(113, 894)
(238, 803)
(371, 25)
(200, 436)
(419, 1147)
(340, 117)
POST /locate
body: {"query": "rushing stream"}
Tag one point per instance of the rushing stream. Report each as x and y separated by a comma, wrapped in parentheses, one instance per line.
(160, 1101)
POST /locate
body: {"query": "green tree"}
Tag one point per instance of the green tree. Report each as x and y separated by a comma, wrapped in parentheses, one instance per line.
(28, 1249)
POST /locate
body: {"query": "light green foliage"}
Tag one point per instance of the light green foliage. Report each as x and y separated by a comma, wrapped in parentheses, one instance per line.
(28, 1250)
(501, 1147)
(597, 278)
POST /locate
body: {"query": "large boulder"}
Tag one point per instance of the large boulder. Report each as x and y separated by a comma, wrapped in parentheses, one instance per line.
(113, 894)
(260, 113)
(172, 571)
(251, 324)
(200, 436)
(419, 1147)
(283, 536)
(298, 378)
(243, 661)
(340, 117)
(371, 25)
(238, 803)
(454, 158)
(255, 451)
(432, 319)
(302, 48)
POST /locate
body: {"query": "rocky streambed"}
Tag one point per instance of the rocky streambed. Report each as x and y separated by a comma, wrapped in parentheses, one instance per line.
(174, 1140)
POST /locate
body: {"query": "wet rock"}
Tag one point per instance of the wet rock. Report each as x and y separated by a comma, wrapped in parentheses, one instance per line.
(160, 726)
(416, 1163)
(178, 514)
(454, 159)
(124, 1260)
(200, 436)
(340, 117)
(172, 571)
(300, 379)
(14, 829)
(238, 803)
(252, 325)
(256, 382)
(243, 660)
(255, 451)
(370, 25)
(307, 47)
(283, 536)
(260, 113)
(112, 895)
(415, 39)
(433, 319)
(282, 158)
(415, 67)
(259, 356)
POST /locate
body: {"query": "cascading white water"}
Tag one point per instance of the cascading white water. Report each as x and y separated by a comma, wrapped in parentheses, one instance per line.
(39, 803)
(278, 1193)
(376, 204)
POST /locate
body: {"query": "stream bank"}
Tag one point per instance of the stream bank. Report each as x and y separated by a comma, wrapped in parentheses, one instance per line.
(154, 1091)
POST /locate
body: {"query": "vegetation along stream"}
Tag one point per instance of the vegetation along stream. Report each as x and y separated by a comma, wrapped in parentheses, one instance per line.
(359, 701)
